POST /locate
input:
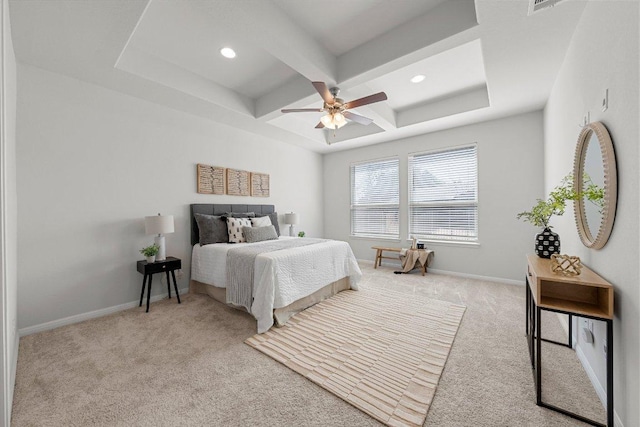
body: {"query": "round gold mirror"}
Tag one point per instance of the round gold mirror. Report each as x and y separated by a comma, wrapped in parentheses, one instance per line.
(595, 180)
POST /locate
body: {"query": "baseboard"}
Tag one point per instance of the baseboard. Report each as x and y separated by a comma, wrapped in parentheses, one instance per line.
(478, 277)
(458, 274)
(14, 368)
(90, 315)
(600, 391)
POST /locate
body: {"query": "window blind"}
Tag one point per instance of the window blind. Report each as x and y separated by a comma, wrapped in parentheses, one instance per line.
(375, 196)
(443, 194)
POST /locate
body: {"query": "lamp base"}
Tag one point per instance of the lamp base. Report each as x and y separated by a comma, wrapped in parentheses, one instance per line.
(159, 240)
(291, 232)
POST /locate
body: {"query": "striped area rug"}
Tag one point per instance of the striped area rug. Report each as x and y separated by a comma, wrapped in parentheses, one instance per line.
(382, 352)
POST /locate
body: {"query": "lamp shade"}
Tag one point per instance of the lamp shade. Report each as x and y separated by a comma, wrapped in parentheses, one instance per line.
(327, 121)
(158, 224)
(339, 120)
(333, 120)
(291, 218)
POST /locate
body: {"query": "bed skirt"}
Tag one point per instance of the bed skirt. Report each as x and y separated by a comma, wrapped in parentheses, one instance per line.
(280, 315)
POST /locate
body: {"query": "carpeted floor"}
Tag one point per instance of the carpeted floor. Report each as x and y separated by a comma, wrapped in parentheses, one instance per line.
(188, 365)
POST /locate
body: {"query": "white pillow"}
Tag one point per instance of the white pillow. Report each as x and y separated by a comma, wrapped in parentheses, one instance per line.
(263, 221)
(234, 227)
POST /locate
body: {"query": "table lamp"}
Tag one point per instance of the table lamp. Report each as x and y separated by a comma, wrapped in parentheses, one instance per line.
(291, 219)
(159, 225)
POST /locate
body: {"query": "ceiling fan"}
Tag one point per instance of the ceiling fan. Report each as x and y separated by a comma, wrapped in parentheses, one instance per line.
(337, 109)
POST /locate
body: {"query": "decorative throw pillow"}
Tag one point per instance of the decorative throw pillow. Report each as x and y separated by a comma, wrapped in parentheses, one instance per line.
(274, 220)
(263, 221)
(212, 229)
(260, 234)
(234, 228)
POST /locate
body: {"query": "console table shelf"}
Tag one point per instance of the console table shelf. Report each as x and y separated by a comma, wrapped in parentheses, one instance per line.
(587, 294)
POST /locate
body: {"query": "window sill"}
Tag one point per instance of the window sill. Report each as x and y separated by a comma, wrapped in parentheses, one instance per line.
(388, 239)
(473, 245)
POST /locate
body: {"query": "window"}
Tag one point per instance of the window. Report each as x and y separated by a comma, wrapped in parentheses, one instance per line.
(375, 194)
(443, 194)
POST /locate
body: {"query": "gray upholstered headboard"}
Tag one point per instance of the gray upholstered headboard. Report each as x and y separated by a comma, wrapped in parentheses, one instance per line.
(216, 209)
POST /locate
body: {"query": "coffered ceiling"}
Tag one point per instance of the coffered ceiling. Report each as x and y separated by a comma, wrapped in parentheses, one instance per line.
(481, 60)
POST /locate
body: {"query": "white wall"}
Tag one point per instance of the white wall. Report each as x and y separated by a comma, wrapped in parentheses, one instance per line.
(93, 162)
(8, 203)
(604, 54)
(510, 178)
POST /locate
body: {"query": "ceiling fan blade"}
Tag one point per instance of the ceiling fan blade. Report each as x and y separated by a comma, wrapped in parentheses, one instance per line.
(323, 90)
(357, 118)
(302, 110)
(319, 125)
(376, 97)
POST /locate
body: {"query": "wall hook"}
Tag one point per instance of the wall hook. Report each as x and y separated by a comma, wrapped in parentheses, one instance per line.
(586, 119)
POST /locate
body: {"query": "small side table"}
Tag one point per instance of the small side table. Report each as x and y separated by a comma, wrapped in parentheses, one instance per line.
(171, 264)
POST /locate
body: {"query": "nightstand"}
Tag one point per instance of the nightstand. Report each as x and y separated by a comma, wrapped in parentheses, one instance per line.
(170, 264)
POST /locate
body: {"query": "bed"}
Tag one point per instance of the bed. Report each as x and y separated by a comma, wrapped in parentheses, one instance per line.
(289, 274)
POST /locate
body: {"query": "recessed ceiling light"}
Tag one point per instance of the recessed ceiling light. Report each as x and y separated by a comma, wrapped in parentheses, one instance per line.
(417, 79)
(227, 52)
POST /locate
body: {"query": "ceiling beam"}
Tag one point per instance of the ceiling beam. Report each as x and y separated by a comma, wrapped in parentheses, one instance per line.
(462, 102)
(296, 93)
(145, 65)
(350, 132)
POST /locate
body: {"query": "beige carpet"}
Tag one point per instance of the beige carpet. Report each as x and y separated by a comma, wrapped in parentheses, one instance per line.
(383, 352)
(187, 365)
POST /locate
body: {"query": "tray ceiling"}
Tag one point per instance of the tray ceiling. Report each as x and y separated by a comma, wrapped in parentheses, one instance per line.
(481, 60)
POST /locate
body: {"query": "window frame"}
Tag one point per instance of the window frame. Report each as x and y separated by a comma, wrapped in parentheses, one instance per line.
(440, 239)
(352, 207)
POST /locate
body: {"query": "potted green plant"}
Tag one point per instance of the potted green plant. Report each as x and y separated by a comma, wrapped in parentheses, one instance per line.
(150, 252)
(301, 234)
(547, 242)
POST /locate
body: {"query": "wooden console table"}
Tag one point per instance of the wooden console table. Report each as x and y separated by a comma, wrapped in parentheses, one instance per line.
(587, 295)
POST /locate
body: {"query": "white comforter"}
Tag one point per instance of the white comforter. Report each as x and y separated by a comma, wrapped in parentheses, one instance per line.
(280, 277)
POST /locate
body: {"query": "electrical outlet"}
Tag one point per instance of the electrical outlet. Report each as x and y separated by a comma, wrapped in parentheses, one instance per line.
(605, 100)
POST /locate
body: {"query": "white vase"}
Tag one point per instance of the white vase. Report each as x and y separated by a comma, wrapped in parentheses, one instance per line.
(151, 259)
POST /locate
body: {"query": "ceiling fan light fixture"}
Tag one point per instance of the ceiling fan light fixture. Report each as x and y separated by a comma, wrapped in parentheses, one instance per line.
(418, 78)
(333, 120)
(327, 121)
(227, 52)
(337, 111)
(339, 120)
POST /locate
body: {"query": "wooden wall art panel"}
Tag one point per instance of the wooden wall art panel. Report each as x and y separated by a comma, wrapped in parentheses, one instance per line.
(210, 179)
(259, 184)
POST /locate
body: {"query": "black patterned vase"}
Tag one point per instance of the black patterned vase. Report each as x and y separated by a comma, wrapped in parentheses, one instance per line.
(547, 243)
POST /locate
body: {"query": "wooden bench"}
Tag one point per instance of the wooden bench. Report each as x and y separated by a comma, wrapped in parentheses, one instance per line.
(380, 250)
